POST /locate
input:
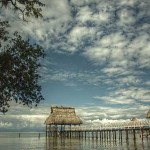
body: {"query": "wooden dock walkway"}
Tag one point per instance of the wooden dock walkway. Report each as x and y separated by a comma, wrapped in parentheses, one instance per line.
(102, 134)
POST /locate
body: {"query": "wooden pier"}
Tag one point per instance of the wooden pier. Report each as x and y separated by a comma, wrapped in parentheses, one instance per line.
(102, 134)
(63, 122)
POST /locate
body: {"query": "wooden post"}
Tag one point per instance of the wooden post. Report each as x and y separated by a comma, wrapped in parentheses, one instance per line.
(142, 134)
(126, 134)
(46, 130)
(110, 135)
(60, 130)
(49, 131)
(56, 130)
(76, 135)
(115, 135)
(147, 133)
(92, 134)
(64, 132)
(70, 130)
(107, 135)
(96, 134)
(134, 137)
(100, 135)
(121, 135)
(104, 135)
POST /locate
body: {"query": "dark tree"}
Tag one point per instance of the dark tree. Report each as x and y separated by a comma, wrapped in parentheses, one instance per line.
(3, 31)
(19, 60)
(27, 8)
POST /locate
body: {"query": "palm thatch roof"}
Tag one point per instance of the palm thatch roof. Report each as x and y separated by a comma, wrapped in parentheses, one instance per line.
(148, 114)
(63, 116)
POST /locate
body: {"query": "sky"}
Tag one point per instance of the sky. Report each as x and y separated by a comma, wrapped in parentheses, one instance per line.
(97, 61)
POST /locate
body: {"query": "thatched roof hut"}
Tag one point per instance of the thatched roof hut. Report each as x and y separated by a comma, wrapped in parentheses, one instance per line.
(63, 116)
(148, 114)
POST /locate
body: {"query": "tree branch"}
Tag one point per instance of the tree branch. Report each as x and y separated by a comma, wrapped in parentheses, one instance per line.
(29, 7)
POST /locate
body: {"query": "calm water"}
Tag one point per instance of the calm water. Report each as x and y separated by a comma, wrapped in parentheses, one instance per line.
(31, 141)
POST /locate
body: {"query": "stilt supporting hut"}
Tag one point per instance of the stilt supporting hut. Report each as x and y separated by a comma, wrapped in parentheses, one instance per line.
(59, 118)
(148, 117)
(148, 114)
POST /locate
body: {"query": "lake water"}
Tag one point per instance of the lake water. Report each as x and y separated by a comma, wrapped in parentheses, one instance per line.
(32, 141)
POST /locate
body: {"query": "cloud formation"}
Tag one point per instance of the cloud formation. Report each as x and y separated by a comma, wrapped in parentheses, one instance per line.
(114, 32)
(130, 96)
(33, 119)
(92, 43)
(21, 118)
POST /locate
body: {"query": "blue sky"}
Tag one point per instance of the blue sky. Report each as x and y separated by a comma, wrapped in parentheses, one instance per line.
(97, 60)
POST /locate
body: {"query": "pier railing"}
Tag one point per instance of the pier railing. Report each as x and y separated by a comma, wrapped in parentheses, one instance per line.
(103, 131)
(111, 126)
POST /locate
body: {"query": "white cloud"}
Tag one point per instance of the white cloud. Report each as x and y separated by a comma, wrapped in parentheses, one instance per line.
(92, 114)
(84, 2)
(102, 17)
(126, 96)
(5, 124)
(77, 36)
(128, 80)
(113, 71)
(97, 54)
(128, 2)
(60, 31)
(126, 17)
(56, 9)
(115, 100)
(147, 83)
(116, 40)
(102, 114)
(109, 48)
(118, 51)
(86, 14)
(21, 117)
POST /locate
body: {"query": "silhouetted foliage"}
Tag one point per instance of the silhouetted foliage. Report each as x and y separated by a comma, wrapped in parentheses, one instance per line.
(19, 73)
(19, 60)
(27, 8)
(3, 31)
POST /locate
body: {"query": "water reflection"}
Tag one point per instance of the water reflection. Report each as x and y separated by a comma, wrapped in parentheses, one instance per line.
(62, 143)
(59, 143)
